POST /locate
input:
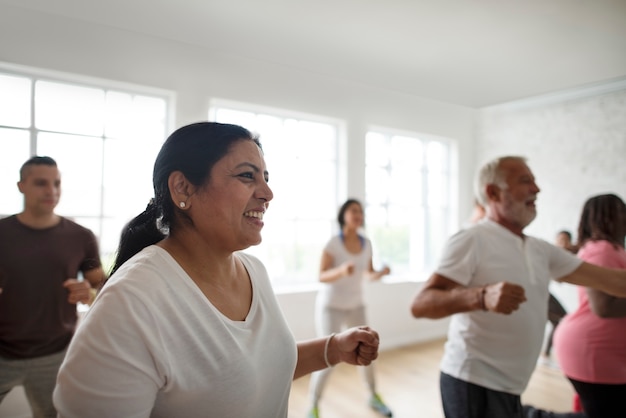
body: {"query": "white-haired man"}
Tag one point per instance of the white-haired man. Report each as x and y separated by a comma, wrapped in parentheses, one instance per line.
(493, 280)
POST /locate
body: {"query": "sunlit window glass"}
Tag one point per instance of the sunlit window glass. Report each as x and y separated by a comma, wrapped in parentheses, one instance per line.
(80, 162)
(14, 150)
(62, 107)
(302, 159)
(15, 101)
(95, 134)
(408, 185)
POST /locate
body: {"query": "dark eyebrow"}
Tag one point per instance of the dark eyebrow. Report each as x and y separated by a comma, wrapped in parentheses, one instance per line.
(253, 167)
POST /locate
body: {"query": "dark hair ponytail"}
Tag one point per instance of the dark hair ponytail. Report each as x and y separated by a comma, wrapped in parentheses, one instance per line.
(143, 230)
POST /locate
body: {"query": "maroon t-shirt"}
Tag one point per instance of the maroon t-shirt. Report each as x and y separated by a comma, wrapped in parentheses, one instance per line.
(35, 317)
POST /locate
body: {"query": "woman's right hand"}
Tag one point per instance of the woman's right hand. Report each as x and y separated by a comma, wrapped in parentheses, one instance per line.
(347, 268)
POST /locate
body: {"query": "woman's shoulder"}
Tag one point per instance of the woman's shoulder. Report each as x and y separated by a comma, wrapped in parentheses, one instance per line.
(603, 253)
(592, 247)
(333, 243)
(337, 239)
(150, 261)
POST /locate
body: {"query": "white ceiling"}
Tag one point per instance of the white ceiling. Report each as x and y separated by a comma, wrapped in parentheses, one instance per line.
(470, 52)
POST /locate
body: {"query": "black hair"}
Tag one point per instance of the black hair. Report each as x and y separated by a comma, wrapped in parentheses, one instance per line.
(603, 218)
(342, 211)
(193, 150)
(36, 160)
(566, 233)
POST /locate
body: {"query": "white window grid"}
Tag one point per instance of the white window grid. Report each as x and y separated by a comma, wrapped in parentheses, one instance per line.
(409, 203)
(98, 192)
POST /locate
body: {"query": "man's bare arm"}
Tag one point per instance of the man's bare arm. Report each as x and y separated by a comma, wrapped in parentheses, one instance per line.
(441, 297)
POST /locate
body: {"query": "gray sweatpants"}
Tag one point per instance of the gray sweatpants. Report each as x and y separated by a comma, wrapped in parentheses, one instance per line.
(38, 377)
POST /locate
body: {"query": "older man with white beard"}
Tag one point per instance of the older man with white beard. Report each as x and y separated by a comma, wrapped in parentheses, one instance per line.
(494, 281)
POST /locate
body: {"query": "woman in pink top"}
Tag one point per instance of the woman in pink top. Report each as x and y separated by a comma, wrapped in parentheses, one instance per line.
(590, 343)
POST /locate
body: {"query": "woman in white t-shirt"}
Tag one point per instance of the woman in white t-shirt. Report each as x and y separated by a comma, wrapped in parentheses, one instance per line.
(188, 325)
(346, 262)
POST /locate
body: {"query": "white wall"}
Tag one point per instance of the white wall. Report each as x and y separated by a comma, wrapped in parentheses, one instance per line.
(388, 313)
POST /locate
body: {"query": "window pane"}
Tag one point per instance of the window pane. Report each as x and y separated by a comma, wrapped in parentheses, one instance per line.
(68, 108)
(418, 236)
(438, 234)
(377, 183)
(376, 215)
(15, 101)
(109, 240)
(407, 150)
(438, 189)
(134, 117)
(391, 245)
(377, 150)
(314, 141)
(119, 115)
(407, 201)
(405, 185)
(269, 125)
(438, 156)
(127, 195)
(80, 162)
(293, 182)
(15, 146)
(150, 115)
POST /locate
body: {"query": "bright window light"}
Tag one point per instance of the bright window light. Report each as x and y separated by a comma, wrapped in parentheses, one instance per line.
(96, 134)
(301, 154)
(408, 189)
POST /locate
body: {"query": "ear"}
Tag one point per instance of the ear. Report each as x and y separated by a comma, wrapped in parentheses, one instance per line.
(180, 189)
(492, 192)
(20, 186)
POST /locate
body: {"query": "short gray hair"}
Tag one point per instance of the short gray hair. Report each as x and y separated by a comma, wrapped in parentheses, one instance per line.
(492, 173)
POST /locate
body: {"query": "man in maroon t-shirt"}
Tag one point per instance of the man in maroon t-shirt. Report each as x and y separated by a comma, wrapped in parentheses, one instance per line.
(41, 254)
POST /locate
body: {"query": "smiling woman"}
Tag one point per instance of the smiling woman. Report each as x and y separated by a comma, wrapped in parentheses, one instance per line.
(188, 325)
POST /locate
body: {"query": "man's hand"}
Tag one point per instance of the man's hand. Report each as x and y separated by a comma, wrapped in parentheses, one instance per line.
(504, 297)
(78, 291)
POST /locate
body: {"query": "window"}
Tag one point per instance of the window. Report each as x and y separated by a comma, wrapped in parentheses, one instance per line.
(104, 140)
(302, 157)
(408, 199)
